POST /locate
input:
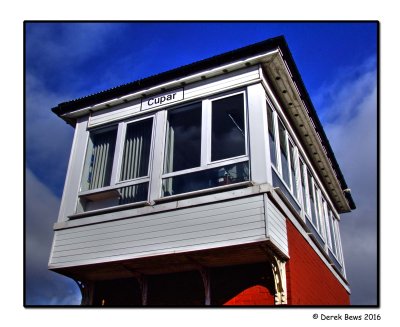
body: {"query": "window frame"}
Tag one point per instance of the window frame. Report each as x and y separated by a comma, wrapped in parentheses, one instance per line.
(305, 174)
(273, 160)
(206, 141)
(166, 136)
(278, 155)
(338, 242)
(208, 131)
(115, 181)
(320, 214)
(340, 248)
(306, 195)
(85, 168)
(293, 165)
(312, 194)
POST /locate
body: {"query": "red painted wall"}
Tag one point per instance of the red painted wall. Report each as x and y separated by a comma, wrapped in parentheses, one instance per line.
(251, 284)
(256, 295)
(309, 281)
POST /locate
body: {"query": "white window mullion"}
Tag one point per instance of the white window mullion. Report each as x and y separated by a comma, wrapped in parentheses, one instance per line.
(119, 147)
(339, 242)
(341, 250)
(205, 156)
(321, 216)
(289, 160)
(297, 174)
(302, 196)
(315, 202)
(157, 155)
(246, 122)
(327, 224)
(278, 144)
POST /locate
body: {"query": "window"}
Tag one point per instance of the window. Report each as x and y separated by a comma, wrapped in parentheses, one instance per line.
(284, 153)
(293, 170)
(335, 236)
(108, 181)
(198, 157)
(332, 232)
(329, 228)
(135, 160)
(304, 189)
(183, 138)
(271, 133)
(313, 208)
(228, 132)
(99, 159)
(320, 213)
(208, 178)
(338, 242)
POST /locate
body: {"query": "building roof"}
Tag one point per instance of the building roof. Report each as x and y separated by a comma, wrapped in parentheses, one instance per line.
(210, 63)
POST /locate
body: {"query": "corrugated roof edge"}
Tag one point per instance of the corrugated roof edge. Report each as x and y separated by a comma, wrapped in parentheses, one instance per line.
(250, 50)
(287, 56)
(169, 75)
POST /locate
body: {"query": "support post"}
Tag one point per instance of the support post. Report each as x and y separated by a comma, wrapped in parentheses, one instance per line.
(87, 289)
(143, 288)
(279, 273)
(205, 275)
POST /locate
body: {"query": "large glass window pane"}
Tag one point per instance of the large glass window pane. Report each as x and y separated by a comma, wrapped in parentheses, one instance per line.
(332, 231)
(271, 133)
(99, 160)
(135, 160)
(312, 201)
(204, 179)
(115, 197)
(183, 138)
(326, 222)
(284, 153)
(293, 169)
(228, 128)
(339, 249)
(320, 222)
(304, 190)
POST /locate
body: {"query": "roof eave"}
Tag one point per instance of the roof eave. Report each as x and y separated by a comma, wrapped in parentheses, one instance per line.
(186, 74)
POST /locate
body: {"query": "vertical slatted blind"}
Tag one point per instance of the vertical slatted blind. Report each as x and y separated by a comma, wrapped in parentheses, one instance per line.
(135, 161)
(133, 193)
(101, 159)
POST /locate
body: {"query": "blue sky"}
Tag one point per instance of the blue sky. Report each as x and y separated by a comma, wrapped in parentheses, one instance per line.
(64, 61)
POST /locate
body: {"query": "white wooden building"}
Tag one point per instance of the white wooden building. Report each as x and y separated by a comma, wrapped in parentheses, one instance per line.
(197, 169)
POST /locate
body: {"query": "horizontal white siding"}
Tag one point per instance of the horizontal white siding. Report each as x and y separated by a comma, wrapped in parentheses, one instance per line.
(218, 224)
(276, 229)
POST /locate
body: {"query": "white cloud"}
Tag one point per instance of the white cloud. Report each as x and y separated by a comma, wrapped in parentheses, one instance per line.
(43, 287)
(67, 43)
(48, 138)
(351, 113)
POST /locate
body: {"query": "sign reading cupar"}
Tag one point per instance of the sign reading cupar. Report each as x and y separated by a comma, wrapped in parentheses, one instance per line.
(162, 99)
